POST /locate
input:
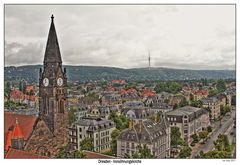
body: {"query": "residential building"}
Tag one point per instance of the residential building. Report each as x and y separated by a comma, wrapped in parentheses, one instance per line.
(189, 120)
(99, 129)
(198, 94)
(156, 136)
(213, 104)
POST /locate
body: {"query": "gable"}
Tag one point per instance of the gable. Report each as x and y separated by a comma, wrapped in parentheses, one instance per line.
(26, 122)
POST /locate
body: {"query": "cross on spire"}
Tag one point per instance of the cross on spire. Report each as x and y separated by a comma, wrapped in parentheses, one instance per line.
(52, 17)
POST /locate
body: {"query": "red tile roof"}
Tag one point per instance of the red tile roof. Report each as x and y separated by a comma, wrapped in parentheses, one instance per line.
(118, 82)
(200, 92)
(148, 93)
(29, 88)
(95, 155)
(26, 121)
(129, 91)
(31, 98)
(17, 131)
(8, 143)
(17, 94)
(20, 154)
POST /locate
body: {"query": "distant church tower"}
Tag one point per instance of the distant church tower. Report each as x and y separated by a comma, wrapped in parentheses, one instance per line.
(53, 88)
(149, 60)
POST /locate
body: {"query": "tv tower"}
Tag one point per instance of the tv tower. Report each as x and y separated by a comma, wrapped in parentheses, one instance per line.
(149, 60)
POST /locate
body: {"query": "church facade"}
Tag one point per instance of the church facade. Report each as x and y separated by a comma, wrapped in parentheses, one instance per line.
(49, 131)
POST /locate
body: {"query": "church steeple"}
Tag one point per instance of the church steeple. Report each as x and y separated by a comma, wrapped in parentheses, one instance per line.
(53, 87)
(52, 52)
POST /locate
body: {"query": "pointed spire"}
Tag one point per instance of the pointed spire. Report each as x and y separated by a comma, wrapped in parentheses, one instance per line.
(52, 52)
(17, 131)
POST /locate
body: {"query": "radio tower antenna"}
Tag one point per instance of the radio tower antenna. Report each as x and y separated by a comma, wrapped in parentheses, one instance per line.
(149, 60)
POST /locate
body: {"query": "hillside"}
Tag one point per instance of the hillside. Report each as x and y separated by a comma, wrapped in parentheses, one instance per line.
(86, 73)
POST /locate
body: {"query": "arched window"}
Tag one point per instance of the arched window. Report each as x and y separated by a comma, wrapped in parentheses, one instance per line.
(61, 110)
(43, 151)
(45, 105)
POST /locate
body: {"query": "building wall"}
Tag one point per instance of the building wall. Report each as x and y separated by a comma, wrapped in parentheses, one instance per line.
(101, 138)
(43, 142)
(159, 148)
(189, 128)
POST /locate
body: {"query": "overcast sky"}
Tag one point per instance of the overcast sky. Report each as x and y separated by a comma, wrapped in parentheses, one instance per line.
(189, 37)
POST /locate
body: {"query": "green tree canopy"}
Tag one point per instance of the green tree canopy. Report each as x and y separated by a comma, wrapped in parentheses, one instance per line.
(114, 137)
(185, 152)
(87, 144)
(72, 117)
(221, 86)
(143, 152)
(225, 109)
(176, 136)
(172, 87)
(121, 121)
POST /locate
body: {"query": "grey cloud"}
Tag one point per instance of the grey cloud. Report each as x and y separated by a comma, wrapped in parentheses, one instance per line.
(18, 54)
(120, 36)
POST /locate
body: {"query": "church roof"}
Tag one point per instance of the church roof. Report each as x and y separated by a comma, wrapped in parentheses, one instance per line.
(17, 131)
(52, 52)
(20, 154)
(27, 123)
(95, 155)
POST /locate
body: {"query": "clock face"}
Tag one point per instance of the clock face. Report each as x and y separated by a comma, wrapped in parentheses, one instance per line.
(59, 81)
(45, 82)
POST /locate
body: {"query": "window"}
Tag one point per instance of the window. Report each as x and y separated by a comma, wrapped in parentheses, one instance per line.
(80, 136)
(80, 129)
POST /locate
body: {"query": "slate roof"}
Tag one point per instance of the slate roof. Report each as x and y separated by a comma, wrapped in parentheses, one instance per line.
(144, 132)
(191, 112)
(94, 123)
(52, 52)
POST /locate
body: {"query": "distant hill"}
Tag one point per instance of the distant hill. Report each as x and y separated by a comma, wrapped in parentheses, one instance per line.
(87, 73)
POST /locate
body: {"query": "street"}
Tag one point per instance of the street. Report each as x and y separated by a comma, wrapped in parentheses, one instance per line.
(227, 121)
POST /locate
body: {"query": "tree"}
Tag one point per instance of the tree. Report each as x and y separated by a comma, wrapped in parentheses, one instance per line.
(222, 143)
(197, 103)
(222, 149)
(195, 138)
(79, 154)
(209, 128)
(185, 152)
(213, 92)
(114, 137)
(203, 134)
(217, 154)
(87, 144)
(225, 109)
(221, 86)
(183, 102)
(121, 121)
(62, 152)
(7, 90)
(72, 117)
(176, 136)
(143, 152)
(172, 87)
(22, 86)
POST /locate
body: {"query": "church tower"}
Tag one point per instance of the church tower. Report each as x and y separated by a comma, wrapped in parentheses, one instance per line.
(53, 88)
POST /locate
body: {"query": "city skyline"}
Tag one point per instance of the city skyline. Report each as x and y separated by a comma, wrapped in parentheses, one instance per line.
(203, 36)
